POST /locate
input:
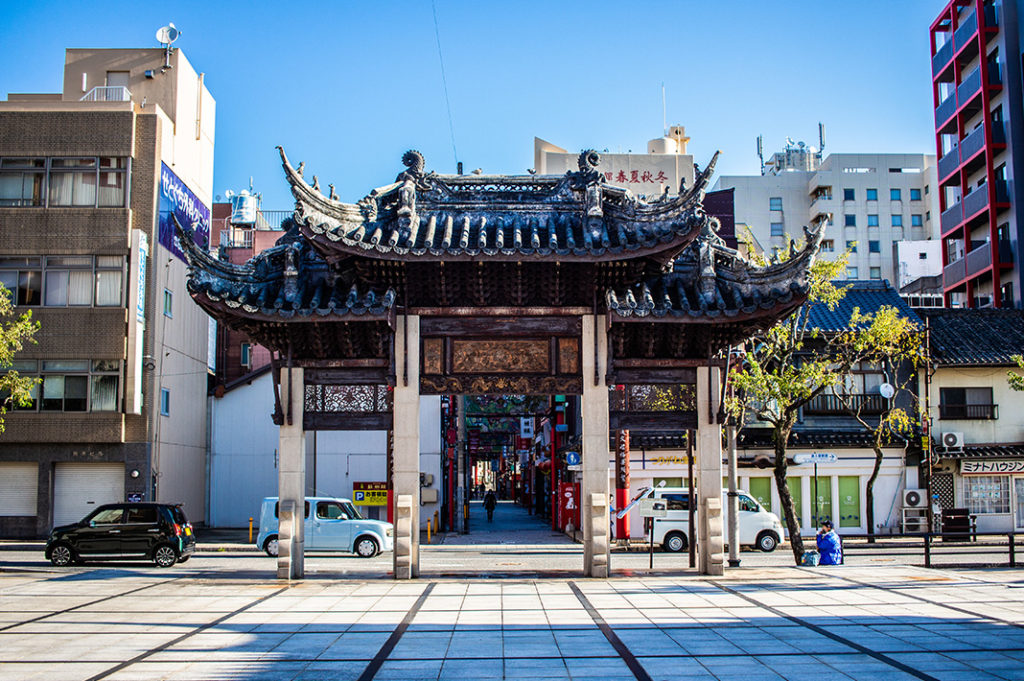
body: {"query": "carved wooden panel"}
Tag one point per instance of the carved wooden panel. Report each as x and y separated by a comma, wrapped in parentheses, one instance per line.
(568, 356)
(492, 385)
(500, 356)
(433, 356)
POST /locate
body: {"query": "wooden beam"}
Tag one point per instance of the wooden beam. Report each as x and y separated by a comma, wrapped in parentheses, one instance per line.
(346, 421)
(504, 325)
(655, 421)
(348, 376)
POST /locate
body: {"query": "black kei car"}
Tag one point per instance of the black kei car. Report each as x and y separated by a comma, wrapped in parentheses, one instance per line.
(157, 532)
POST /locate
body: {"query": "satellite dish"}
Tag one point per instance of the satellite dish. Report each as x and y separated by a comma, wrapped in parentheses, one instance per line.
(167, 34)
(886, 391)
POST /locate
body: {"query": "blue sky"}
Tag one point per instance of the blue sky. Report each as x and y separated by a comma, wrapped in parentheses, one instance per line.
(348, 86)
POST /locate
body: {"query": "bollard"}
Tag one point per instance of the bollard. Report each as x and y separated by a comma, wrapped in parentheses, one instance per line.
(437, 521)
(250, 530)
(428, 530)
(1013, 550)
(927, 550)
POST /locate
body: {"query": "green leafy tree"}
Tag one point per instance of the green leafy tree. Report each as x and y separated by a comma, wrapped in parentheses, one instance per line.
(15, 332)
(788, 365)
(1015, 379)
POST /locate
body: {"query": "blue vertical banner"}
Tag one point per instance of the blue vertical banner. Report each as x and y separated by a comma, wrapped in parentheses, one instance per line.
(178, 200)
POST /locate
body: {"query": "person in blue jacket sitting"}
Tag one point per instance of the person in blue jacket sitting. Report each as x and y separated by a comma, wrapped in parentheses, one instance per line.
(830, 546)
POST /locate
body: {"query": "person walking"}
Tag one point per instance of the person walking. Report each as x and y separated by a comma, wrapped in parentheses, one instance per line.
(830, 546)
(489, 503)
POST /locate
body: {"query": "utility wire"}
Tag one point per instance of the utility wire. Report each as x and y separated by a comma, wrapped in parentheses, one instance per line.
(444, 83)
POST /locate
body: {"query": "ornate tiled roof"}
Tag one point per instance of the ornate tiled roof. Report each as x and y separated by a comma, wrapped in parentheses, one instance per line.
(270, 287)
(761, 438)
(711, 280)
(865, 295)
(975, 337)
(522, 218)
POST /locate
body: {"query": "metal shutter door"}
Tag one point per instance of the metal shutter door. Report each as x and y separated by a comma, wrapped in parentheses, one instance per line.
(78, 488)
(19, 484)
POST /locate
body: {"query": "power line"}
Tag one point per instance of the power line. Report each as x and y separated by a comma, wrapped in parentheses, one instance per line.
(444, 83)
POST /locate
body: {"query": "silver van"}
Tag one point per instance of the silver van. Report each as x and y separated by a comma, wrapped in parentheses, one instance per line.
(758, 527)
(331, 525)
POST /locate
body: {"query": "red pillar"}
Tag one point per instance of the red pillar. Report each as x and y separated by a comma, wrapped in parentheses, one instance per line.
(621, 482)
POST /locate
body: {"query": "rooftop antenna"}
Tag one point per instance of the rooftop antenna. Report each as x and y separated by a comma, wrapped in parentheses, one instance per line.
(664, 117)
(760, 151)
(166, 35)
(821, 137)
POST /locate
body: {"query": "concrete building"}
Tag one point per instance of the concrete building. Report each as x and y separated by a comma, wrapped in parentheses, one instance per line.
(874, 201)
(89, 179)
(979, 131)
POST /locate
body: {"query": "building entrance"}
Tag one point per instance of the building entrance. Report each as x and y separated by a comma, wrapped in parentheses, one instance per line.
(498, 285)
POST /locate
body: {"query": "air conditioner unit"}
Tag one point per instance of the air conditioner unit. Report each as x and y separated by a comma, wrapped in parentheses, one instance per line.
(915, 498)
(953, 440)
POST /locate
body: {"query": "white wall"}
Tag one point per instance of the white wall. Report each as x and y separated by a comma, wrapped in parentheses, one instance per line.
(243, 457)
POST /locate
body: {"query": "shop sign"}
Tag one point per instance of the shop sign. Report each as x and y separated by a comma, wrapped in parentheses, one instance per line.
(667, 460)
(370, 493)
(653, 508)
(178, 200)
(968, 467)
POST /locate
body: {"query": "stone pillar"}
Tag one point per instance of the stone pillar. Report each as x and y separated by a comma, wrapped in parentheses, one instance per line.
(594, 489)
(710, 560)
(406, 475)
(291, 478)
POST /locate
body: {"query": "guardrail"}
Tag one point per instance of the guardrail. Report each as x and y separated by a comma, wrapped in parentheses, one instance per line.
(940, 549)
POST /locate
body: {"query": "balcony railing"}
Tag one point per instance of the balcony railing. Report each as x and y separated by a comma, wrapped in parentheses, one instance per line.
(980, 412)
(942, 57)
(834, 405)
(970, 86)
(945, 110)
(973, 143)
(104, 93)
(954, 272)
(951, 217)
(975, 201)
(949, 163)
(979, 259)
(967, 29)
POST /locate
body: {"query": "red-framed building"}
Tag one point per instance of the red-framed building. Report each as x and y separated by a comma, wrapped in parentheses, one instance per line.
(977, 98)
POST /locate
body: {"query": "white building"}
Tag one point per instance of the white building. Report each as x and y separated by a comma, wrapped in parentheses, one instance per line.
(874, 201)
(243, 455)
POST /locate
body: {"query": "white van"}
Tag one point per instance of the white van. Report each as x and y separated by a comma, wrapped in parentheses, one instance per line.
(334, 525)
(758, 527)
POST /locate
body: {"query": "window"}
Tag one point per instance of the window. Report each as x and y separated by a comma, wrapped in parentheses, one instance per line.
(851, 246)
(873, 220)
(165, 402)
(778, 229)
(848, 195)
(72, 385)
(897, 220)
(987, 493)
(852, 273)
(87, 182)
(21, 181)
(775, 203)
(748, 504)
(108, 516)
(874, 246)
(828, 246)
(22, 277)
(895, 195)
(915, 194)
(850, 220)
(922, 256)
(64, 280)
(677, 502)
(141, 514)
(278, 504)
(916, 221)
(966, 403)
(330, 510)
(246, 355)
(168, 303)
(872, 194)
(876, 273)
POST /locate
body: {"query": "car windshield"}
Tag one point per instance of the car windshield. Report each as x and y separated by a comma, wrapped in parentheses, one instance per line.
(351, 510)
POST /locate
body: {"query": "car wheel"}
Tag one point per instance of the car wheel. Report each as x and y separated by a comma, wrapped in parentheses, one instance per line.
(366, 547)
(767, 542)
(62, 555)
(675, 542)
(165, 556)
(184, 559)
(270, 546)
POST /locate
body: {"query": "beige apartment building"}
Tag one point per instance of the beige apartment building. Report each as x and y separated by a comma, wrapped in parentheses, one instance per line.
(874, 201)
(88, 180)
